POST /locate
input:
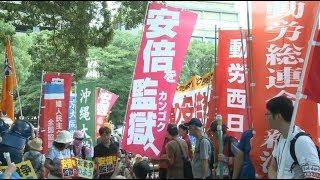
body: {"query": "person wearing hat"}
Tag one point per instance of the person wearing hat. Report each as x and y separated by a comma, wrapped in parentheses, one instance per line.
(79, 149)
(203, 151)
(229, 145)
(59, 150)
(36, 158)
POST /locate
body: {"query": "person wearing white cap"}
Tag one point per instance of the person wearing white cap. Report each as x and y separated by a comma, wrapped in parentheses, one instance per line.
(59, 150)
(36, 158)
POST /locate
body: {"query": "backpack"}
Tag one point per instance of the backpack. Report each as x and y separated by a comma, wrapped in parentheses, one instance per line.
(187, 168)
(292, 151)
(212, 160)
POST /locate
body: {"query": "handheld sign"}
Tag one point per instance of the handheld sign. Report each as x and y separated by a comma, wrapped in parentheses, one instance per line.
(68, 167)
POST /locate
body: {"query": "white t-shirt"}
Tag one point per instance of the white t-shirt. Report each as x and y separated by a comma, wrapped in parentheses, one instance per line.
(307, 156)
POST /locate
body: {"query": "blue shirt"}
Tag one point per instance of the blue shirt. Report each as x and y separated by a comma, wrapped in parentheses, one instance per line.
(247, 169)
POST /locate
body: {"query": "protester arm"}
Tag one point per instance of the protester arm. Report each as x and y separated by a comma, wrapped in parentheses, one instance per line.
(272, 170)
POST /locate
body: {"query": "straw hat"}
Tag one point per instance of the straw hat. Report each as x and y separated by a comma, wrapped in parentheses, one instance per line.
(35, 144)
(64, 137)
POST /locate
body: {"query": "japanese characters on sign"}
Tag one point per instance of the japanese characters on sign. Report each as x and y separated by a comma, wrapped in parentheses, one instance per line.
(86, 111)
(190, 104)
(24, 169)
(69, 167)
(231, 89)
(106, 164)
(85, 168)
(281, 30)
(166, 35)
(104, 102)
(72, 123)
(54, 106)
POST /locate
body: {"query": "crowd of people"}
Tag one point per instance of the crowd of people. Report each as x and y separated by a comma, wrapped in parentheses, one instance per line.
(206, 161)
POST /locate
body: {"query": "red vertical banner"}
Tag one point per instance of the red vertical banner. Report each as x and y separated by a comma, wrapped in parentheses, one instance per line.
(166, 36)
(54, 107)
(104, 102)
(231, 81)
(281, 31)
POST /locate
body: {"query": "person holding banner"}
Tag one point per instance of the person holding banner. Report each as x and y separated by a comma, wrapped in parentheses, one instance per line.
(79, 149)
(229, 142)
(106, 154)
(59, 150)
(307, 164)
(35, 156)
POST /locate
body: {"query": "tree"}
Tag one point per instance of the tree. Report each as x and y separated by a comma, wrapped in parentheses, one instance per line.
(131, 13)
(198, 61)
(116, 65)
(71, 34)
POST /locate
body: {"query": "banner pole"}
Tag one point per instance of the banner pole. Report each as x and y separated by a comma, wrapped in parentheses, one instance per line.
(250, 63)
(40, 99)
(245, 81)
(298, 96)
(209, 83)
(124, 121)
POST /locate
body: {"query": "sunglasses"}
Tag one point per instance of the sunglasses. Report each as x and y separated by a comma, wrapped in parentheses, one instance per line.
(79, 139)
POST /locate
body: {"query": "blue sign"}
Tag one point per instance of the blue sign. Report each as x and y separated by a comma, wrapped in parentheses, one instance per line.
(72, 125)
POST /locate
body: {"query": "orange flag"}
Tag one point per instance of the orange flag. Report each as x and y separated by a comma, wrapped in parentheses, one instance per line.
(8, 83)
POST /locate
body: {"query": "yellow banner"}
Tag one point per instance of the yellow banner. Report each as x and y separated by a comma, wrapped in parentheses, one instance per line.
(106, 164)
(24, 169)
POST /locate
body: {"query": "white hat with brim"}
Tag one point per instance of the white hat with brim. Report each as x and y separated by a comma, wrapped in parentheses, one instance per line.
(35, 144)
(64, 137)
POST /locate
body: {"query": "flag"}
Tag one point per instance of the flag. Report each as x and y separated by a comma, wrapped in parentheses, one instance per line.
(312, 81)
(8, 83)
(54, 90)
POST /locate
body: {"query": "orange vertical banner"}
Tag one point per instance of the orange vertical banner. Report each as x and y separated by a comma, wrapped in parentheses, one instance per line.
(281, 31)
(8, 83)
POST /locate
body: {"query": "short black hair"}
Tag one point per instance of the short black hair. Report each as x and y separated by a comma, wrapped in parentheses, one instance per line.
(183, 127)
(281, 105)
(141, 169)
(173, 129)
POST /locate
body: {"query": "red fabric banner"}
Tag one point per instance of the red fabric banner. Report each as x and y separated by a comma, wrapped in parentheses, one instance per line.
(54, 107)
(312, 78)
(166, 36)
(231, 82)
(104, 102)
(281, 31)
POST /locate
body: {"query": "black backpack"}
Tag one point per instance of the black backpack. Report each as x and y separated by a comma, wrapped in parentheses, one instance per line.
(292, 151)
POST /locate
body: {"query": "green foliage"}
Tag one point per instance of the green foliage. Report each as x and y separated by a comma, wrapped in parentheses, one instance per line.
(198, 61)
(131, 13)
(76, 25)
(7, 30)
(116, 65)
